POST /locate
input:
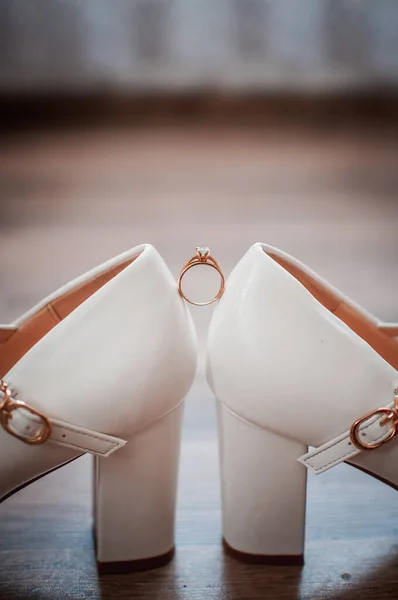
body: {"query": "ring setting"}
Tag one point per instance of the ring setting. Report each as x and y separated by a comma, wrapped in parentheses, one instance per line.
(202, 257)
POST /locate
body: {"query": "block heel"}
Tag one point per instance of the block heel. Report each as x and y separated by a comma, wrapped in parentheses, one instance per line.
(135, 499)
(263, 490)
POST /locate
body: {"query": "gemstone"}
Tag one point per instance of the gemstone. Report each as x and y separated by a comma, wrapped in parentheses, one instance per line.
(203, 251)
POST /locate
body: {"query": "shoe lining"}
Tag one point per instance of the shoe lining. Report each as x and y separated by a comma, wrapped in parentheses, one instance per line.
(386, 346)
(16, 344)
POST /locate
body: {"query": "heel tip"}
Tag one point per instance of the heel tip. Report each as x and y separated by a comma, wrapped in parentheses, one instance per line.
(132, 566)
(264, 559)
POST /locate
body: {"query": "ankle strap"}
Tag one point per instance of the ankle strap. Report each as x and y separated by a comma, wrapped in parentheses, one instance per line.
(33, 427)
(367, 433)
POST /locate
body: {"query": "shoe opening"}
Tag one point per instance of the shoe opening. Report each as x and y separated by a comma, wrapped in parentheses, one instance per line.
(38, 325)
(367, 329)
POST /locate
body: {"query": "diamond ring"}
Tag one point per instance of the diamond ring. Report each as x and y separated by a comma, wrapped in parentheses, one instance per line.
(202, 257)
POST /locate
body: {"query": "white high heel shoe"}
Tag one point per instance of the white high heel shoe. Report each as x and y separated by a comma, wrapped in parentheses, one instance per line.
(293, 363)
(102, 366)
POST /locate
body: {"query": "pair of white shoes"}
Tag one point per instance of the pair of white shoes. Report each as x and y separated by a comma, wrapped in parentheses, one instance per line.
(103, 366)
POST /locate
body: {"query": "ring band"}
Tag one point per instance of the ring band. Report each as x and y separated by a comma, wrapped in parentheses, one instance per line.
(202, 257)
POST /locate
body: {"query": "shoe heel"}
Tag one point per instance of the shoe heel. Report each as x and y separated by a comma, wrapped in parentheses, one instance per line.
(135, 499)
(263, 490)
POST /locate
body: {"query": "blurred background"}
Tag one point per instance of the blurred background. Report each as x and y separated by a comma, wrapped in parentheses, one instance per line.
(197, 122)
(188, 122)
(195, 44)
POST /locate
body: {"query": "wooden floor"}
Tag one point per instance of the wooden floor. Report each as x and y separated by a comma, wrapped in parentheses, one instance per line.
(71, 200)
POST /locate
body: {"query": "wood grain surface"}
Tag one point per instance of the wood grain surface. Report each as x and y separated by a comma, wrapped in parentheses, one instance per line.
(69, 200)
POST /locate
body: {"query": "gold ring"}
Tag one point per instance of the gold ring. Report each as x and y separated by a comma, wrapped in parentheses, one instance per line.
(202, 257)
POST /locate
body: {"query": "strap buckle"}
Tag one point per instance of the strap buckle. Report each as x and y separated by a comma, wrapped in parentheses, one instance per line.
(9, 406)
(391, 416)
(342, 448)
